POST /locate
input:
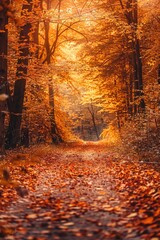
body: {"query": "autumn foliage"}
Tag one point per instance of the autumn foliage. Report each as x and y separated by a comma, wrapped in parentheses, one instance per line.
(79, 70)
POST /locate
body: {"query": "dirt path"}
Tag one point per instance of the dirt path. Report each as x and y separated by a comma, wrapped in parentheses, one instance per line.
(81, 192)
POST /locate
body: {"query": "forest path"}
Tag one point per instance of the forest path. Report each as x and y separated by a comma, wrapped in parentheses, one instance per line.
(80, 192)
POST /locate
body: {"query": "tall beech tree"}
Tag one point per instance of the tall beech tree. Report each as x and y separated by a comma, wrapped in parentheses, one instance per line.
(16, 109)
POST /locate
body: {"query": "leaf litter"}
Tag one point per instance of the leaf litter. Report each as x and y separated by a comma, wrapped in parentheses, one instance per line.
(78, 192)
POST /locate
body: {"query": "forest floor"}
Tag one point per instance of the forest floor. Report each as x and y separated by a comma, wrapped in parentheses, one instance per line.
(78, 192)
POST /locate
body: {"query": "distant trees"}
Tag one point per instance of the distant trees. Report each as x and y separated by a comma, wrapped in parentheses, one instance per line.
(120, 52)
(92, 113)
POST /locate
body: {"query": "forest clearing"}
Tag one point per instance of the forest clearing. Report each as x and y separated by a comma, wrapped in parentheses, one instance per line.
(79, 119)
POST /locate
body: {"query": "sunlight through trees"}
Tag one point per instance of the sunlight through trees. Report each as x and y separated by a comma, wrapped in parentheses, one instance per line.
(77, 69)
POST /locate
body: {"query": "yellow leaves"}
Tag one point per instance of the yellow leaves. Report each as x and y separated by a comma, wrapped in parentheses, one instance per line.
(132, 215)
(112, 134)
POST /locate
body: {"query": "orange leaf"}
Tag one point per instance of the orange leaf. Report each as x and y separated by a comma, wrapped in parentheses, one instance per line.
(148, 220)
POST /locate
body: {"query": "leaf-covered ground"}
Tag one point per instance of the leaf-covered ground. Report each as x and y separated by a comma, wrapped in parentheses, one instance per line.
(78, 192)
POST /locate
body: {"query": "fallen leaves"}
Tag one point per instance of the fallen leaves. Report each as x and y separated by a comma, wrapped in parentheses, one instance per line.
(31, 216)
(148, 220)
(132, 215)
(67, 224)
(7, 230)
(80, 195)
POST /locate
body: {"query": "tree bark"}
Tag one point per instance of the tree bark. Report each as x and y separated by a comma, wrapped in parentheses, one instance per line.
(14, 130)
(56, 138)
(131, 14)
(138, 78)
(137, 61)
(91, 111)
(3, 70)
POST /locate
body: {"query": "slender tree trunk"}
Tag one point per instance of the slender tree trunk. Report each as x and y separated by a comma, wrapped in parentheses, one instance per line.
(3, 71)
(50, 86)
(138, 78)
(138, 70)
(54, 133)
(131, 92)
(56, 138)
(14, 130)
(91, 111)
(118, 120)
(126, 81)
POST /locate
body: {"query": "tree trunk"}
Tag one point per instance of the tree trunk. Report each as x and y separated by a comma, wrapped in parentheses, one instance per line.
(138, 78)
(3, 71)
(131, 13)
(56, 138)
(137, 62)
(91, 111)
(14, 130)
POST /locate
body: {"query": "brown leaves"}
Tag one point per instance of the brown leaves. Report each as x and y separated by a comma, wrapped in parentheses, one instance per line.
(83, 197)
(6, 230)
(138, 185)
